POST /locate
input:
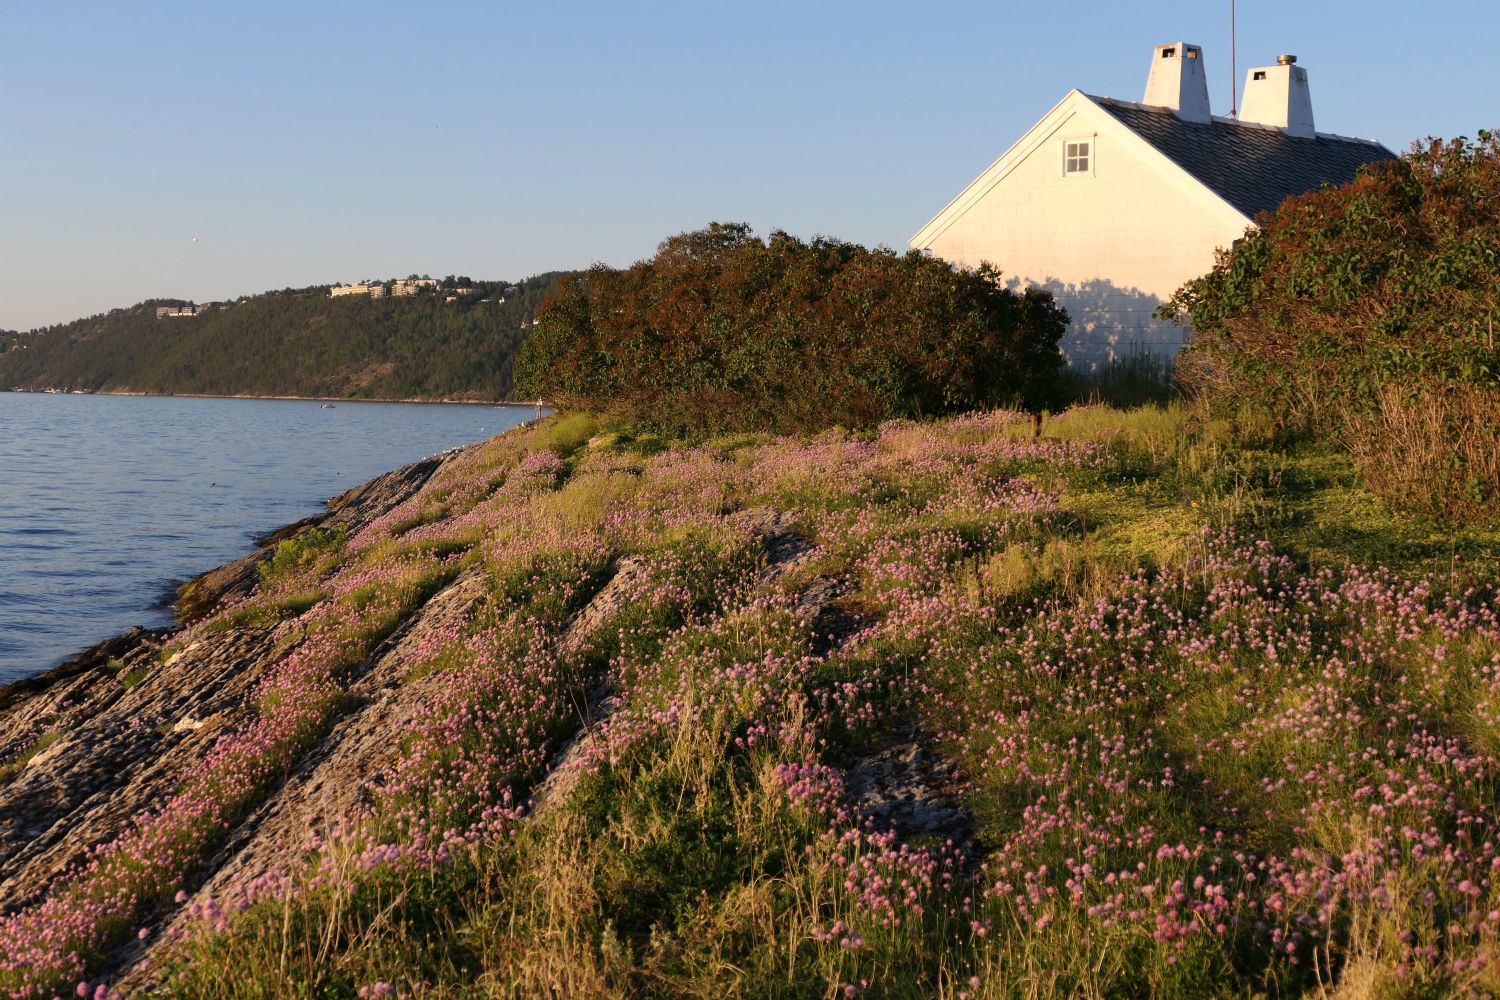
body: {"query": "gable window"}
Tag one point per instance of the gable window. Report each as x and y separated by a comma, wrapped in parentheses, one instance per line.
(1078, 156)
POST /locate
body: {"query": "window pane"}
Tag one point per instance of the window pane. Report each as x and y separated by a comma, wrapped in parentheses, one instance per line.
(1083, 165)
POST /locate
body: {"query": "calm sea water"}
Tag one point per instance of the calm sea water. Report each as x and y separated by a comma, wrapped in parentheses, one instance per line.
(108, 502)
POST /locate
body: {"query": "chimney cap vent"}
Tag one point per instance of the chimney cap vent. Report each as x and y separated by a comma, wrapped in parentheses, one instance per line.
(1279, 96)
(1177, 82)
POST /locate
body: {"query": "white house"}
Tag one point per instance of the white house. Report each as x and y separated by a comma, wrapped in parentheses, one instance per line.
(1113, 205)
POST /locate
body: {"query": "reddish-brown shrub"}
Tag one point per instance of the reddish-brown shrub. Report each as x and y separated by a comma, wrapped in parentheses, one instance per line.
(1367, 314)
(724, 331)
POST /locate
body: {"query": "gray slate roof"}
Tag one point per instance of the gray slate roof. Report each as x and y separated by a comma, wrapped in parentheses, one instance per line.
(1254, 169)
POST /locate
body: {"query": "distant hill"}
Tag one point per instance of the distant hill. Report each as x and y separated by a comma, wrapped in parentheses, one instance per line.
(295, 342)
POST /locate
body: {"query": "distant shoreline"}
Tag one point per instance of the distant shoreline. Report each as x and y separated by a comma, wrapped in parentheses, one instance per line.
(310, 399)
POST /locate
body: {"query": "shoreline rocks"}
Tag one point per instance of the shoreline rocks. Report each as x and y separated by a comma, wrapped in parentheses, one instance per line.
(105, 734)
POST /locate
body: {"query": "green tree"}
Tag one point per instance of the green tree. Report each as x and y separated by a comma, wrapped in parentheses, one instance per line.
(724, 330)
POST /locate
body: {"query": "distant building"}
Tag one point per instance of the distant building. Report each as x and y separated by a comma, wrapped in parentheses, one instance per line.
(1114, 205)
(374, 289)
(399, 288)
(403, 287)
(188, 310)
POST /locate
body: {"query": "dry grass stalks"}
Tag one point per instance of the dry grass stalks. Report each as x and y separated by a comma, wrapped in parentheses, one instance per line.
(1434, 452)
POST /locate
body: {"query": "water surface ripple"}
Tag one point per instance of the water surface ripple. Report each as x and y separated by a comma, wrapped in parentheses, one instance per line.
(108, 502)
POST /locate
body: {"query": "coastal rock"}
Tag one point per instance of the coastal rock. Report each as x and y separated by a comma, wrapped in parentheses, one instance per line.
(334, 779)
(118, 747)
(111, 732)
(909, 788)
(353, 508)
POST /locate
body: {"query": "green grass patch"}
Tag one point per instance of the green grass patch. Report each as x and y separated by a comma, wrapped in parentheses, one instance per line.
(12, 767)
(294, 555)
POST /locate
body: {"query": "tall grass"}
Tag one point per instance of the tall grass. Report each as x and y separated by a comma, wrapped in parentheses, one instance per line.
(1195, 754)
(1433, 451)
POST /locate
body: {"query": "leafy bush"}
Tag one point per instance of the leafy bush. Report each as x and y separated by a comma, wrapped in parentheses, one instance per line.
(1367, 314)
(724, 331)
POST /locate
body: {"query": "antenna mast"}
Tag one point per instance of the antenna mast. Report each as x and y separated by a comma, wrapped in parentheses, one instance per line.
(1234, 69)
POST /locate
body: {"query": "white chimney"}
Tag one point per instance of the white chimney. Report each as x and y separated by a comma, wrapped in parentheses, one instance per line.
(1278, 95)
(1177, 81)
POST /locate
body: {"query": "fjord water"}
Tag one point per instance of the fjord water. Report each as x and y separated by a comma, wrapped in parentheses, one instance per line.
(108, 502)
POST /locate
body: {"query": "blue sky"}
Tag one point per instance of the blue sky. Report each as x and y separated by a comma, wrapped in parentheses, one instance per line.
(319, 142)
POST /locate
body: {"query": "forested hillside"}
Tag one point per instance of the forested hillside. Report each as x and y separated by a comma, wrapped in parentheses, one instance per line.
(296, 342)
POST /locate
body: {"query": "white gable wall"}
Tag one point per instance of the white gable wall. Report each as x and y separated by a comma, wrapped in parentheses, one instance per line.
(1112, 244)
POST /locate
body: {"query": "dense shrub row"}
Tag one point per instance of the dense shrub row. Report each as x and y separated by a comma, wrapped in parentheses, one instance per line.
(723, 330)
(1367, 313)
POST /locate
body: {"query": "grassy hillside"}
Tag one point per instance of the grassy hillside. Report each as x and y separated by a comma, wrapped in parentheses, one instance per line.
(941, 710)
(289, 343)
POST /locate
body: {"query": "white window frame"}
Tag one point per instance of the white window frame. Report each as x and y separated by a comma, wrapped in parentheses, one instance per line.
(1092, 155)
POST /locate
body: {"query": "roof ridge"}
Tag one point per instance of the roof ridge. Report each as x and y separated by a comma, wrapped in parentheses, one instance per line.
(1253, 167)
(1224, 119)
